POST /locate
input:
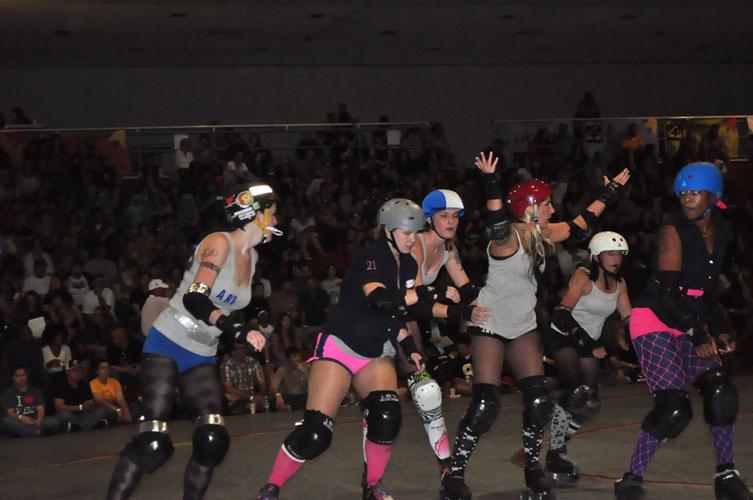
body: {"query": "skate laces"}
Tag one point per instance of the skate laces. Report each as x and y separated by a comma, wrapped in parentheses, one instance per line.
(726, 474)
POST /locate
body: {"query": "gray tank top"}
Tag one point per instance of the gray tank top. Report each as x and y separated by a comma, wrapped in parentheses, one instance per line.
(428, 279)
(593, 309)
(509, 294)
(192, 334)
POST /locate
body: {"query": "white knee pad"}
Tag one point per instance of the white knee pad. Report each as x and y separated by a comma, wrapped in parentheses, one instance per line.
(427, 395)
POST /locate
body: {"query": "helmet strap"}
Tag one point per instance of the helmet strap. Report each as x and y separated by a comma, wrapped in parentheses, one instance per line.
(430, 221)
(393, 243)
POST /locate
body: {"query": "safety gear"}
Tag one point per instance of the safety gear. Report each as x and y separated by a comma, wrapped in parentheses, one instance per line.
(530, 193)
(671, 414)
(311, 436)
(383, 416)
(251, 203)
(606, 241)
(442, 199)
(720, 399)
(699, 176)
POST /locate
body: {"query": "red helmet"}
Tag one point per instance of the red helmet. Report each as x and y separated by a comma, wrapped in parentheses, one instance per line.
(526, 194)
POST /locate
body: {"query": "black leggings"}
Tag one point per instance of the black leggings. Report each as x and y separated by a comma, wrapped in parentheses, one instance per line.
(573, 369)
(201, 394)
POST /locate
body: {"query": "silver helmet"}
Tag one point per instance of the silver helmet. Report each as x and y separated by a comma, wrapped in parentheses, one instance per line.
(401, 213)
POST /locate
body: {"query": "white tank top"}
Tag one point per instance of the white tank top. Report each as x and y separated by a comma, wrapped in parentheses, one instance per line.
(192, 334)
(510, 294)
(593, 309)
(428, 279)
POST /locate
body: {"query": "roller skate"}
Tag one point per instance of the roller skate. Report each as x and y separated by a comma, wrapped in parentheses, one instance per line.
(376, 492)
(562, 469)
(539, 487)
(729, 486)
(268, 492)
(454, 487)
(630, 487)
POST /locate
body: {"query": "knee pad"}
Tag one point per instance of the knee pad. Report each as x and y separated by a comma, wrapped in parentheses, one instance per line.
(383, 416)
(210, 440)
(720, 399)
(311, 436)
(671, 414)
(538, 404)
(483, 409)
(574, 399)
(427, 395)
(151, 448)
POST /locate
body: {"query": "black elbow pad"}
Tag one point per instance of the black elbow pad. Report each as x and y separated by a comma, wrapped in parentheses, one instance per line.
(199, 305)
(498, 224)
(563, 321)
(386, 301)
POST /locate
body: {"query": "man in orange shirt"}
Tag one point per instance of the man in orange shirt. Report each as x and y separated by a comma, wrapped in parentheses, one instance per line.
(108, 393)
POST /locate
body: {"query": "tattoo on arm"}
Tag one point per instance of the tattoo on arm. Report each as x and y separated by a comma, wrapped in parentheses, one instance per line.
(209, 252)
(210, 265)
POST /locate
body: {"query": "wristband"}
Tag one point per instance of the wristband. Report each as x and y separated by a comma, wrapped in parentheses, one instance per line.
(492, 186)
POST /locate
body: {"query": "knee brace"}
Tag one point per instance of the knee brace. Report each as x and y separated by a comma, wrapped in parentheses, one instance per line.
(152, 447)
(720, 399)
(311, 436)
(538, 404)
(427, 395)
(483, 409)
(383, 416)
(671, 414)
(210, 440)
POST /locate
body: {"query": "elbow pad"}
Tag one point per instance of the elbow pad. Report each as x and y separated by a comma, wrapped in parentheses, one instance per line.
(386, 301)
(498, 224)
(468, 293)
(578, 233)
(199, 305)
(563, 321)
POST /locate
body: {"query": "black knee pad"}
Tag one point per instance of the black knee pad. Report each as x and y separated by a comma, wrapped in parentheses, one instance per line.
(483, 409)
(720, 399)
(150, 450)
(311, 436)
(210, 444)
(671, 414)
(574, 399)
(538, 404)
(383, 416)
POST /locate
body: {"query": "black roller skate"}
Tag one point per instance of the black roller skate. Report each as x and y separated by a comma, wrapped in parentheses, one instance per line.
(630, 487)
(268, 492)
(538, 484)
(562, 469)
(376, 492)
(729, 486)
(454, 487)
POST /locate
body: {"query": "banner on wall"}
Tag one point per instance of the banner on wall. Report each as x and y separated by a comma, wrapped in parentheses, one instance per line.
(677, 130)
(610, 136)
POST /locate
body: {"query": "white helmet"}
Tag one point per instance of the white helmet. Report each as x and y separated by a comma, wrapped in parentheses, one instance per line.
(605, 241)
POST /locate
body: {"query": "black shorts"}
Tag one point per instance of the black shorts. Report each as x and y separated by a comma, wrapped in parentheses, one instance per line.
(554, 341)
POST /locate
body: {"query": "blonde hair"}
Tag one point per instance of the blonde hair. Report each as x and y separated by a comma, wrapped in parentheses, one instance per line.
(538, 244)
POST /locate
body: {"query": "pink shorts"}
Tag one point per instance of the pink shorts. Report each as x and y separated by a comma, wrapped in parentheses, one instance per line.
(643, 321)
(330, 348)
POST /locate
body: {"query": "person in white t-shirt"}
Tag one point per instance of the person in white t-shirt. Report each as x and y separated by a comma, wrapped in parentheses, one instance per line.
(39, 281)
(35, 254)
(236, 170)
(156, 302)
(184, 156)
(77, 284)
(98, 296)
(332, 285)
(56, 354)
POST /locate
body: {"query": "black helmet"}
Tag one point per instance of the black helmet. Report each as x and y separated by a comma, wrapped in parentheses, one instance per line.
(244, 203)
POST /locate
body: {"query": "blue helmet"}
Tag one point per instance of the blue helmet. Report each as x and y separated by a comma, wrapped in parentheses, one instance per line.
(699, 176)
(442, 199)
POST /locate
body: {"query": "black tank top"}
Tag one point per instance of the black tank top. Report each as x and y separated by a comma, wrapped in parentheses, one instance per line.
(699, 273)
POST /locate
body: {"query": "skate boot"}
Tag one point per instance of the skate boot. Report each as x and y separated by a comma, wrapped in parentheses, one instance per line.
(729, 486)
(268, 492)
(454, 487)
(562, 469)
(630, 487)
(539, 487)
(376, 492)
